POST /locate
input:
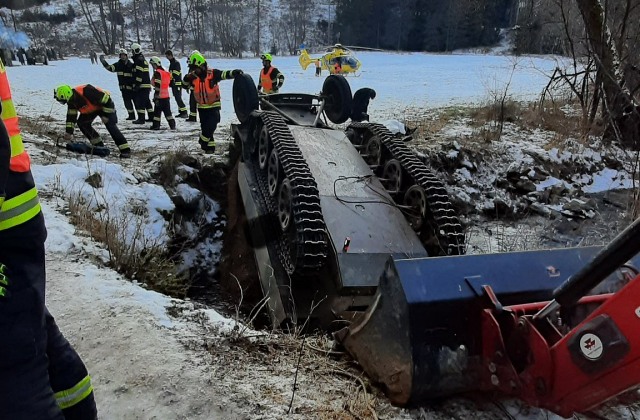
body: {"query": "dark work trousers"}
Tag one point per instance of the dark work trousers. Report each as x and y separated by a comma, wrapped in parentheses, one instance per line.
(163, 106)
(143, 103)
(129, 103)
(27, 369)
(66, 371)
(110, 121)
(209, 119)
(193, 105)
(177, 94)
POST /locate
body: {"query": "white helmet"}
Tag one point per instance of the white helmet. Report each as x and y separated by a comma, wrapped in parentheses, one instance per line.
(136, 48)
(155, 61)
(122, 51)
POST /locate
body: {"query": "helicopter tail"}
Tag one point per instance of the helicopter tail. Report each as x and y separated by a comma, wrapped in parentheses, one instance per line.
(305, 59)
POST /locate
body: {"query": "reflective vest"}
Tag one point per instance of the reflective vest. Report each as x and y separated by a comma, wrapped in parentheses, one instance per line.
(265, 80)
(165, 81)
(21, 203)
(88, 108)
(206, 95)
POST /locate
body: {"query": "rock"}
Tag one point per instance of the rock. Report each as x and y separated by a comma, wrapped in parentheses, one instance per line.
(525, 185)
(540, 209)
(566, 226)
(95, 180)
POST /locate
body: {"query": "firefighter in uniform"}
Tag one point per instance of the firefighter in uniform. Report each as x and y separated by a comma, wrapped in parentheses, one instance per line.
(124, 69)
(270, 79)
(207, 95)
(161, 81)
(91, 102)
(141, 85)
(176, 87)
(41, 375)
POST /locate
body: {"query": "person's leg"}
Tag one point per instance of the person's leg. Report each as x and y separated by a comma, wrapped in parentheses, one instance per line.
(141, 105)
(157, 114)
(127, 97)
(148, 105)
(206, 126)
(182, 108)
(193, 107)
(69, 378)
(25, 391)
(110, 121)
(84, 124)
(166, 109)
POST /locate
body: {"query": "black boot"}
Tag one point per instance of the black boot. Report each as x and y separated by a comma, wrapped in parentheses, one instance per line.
(131, 117)
(192, 118)
(155, 127)
(139, 121)
(172, 124)
(126, 153)
(183, 114)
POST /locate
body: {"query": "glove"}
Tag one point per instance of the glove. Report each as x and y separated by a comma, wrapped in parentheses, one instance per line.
(67, 136)
(4, 281)
(235, 73)
(102, 60)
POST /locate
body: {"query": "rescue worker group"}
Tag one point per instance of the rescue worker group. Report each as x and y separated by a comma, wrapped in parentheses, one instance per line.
(86, 102)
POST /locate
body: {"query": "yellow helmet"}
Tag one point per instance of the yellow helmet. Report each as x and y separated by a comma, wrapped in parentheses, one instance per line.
(266, 56)
(197, 59)
(62, 93)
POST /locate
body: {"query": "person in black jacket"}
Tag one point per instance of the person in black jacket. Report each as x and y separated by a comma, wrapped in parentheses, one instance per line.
(90, 102)
(141, 85)
(176, 87)
(360, 104)
(124, 69)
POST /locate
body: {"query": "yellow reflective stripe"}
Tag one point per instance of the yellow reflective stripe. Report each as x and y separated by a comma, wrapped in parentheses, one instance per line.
(20, 219)
(17, 147)
(213, 105)
(16, 201)
(19, 209)
(8, 109)
(70, 397)
(72, 111)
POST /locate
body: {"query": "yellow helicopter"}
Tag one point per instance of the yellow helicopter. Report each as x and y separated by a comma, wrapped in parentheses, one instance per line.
(337, 60)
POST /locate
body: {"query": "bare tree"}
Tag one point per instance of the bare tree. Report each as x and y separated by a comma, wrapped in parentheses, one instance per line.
(620, 108)
(105, 27)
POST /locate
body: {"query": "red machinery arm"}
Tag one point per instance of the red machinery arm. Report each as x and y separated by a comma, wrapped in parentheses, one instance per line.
(525, 355)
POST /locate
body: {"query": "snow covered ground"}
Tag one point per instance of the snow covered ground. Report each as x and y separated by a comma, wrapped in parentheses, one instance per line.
(153, 357)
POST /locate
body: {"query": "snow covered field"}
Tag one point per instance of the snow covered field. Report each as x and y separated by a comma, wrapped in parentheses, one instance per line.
(130, 338)
(409, 80)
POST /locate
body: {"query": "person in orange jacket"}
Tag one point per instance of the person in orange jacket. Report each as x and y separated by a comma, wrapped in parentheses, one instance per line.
(161, 82)
(270, 79)
(41, 375)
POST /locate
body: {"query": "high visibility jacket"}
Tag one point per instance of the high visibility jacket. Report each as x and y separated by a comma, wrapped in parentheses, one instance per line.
(87, 99)
(161, 81)
(206, 90)
(265, 80)
(124, 70)
(21, 201)
(141, 72)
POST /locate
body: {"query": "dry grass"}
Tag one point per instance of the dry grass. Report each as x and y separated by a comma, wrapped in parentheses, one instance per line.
(130, 252)
(167, 169)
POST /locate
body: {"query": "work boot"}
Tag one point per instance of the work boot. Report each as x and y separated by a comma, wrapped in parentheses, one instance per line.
(131, 117)
(209, 149)
(183, 114)
(172, 124)
(192, 118)
(155, 127)
(125, 154)
(139, 121)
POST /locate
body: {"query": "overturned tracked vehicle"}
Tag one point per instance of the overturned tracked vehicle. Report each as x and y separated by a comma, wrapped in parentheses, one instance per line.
(351, 230)
(327, 207)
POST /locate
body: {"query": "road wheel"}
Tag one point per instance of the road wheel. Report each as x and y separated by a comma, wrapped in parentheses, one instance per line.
(245, 97)
(337, 93)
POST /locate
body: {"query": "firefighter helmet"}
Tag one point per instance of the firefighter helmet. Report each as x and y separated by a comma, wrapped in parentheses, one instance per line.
(155, 61)
(122, 51)
(197, 59)
(267, 57)
(136, 48)
(62, 93)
